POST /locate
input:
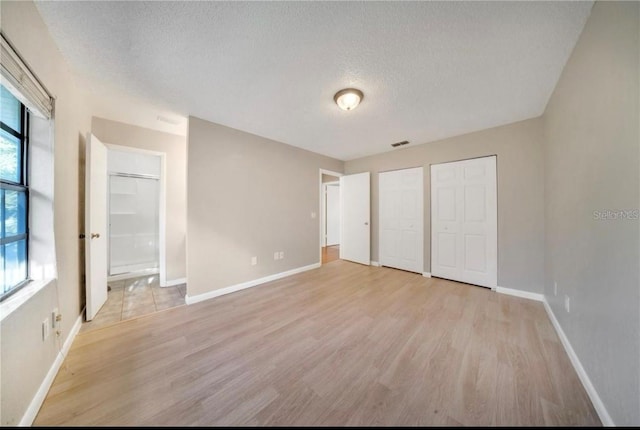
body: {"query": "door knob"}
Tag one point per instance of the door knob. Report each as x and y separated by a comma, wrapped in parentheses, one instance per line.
(366, 223)
(95, 235)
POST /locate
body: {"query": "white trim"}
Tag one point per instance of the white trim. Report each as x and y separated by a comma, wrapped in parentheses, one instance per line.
(162, 203)
(34, 407)
(375, 263)
(519, 293)
(174, 282)
(323, 212)
(22, 296)
(598, 404)
(162, 220)
(321, 215)
(233, 288)
(426, 274)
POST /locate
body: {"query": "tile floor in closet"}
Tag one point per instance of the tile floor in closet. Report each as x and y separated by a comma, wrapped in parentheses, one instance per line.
(131, 298)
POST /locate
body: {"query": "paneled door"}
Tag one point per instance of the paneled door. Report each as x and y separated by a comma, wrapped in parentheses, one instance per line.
(464, 221)
(401, 219)
(355, 210)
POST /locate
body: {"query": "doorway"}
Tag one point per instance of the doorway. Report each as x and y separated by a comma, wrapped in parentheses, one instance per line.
(125, 250)
(464, 227)
(134, 212)
(329, 216)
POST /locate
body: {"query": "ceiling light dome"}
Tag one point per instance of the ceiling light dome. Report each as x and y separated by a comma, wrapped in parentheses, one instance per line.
(348, 99)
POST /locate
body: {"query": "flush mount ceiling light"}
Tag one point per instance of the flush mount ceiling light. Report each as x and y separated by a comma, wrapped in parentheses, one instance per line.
(348, 99)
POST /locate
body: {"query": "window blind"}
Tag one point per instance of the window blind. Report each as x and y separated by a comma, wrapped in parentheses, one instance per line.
(23, 84)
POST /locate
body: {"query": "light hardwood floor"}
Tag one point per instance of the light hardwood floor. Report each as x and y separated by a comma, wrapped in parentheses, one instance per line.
(330, 253)
(344, 344)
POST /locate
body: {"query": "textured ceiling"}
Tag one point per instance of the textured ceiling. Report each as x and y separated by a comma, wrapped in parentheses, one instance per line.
(428, 70)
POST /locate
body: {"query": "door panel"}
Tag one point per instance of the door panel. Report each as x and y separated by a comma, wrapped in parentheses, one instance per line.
(446, 204)
(410, 245)
(474, 203)
(401, 219)
(95, 226)
(447, 249)
(355, 233)
(464, 244)
(475, 258)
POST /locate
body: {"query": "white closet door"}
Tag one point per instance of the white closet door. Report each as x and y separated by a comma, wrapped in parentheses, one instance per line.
(464, 221)
(355, 209)
(401, 219)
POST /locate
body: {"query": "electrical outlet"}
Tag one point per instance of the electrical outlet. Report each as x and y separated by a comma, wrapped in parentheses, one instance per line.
(45, 329)
(281, 255)
(313, 214)
(566, 303)
(54, 318)
(254, 261)
(276, 255)
(555, 288)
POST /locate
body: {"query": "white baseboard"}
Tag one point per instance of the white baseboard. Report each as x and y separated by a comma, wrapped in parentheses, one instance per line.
(519, 293)
(32, 411)
(426, 274)
(582, 374)
(375, 263)
(174, 282)
(233, 288)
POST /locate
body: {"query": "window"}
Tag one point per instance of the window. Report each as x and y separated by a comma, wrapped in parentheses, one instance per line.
(14, 194)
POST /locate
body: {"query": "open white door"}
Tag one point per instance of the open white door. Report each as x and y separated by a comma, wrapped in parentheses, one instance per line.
(401, 219)
(464, 227)
(95, 225)
(355, 210)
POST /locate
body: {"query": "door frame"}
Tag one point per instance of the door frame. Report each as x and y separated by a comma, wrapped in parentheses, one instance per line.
(162, 203)
(322, 208)
(323, 220)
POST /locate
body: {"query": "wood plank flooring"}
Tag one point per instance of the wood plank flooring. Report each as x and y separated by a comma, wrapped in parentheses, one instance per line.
(330, 253)
(344, 344)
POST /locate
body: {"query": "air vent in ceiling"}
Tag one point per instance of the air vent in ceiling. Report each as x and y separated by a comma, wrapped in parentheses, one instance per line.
(404, 142)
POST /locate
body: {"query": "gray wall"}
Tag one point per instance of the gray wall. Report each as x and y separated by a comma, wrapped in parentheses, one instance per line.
(518, 147)
(248, 196)
(591, 164)
(175, 147)
(25, 358)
